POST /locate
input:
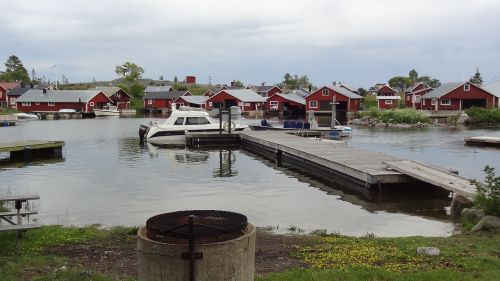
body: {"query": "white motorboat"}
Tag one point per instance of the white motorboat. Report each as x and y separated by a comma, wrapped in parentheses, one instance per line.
(107, 110)
(26, 116)
(183, 120)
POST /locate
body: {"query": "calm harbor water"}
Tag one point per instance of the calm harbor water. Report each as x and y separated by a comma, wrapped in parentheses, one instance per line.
(107, 177)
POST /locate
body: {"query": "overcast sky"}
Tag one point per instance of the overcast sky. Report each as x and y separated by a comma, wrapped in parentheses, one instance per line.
(359, 42)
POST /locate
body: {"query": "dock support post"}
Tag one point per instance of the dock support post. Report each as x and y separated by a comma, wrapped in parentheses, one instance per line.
(279, 156)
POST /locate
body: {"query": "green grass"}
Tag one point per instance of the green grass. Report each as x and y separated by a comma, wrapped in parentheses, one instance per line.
(7, 111)
(27, 257)
(463, 257)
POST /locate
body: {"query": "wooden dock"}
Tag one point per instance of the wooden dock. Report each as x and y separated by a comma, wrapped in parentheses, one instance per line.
(356, 165)
(334, 157)
(483, 141)
(29, 149)
(441, 178)
(212, 140)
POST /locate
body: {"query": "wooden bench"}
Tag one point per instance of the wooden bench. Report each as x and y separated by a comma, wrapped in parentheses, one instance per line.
(18, 225)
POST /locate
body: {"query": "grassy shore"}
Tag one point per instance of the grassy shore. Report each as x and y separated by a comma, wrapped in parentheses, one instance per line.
(65, 253)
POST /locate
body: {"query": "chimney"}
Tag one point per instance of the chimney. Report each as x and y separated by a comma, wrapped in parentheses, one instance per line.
(310, 88)
(263, 84)
(233, 83)
(334, 83)
(44, 91)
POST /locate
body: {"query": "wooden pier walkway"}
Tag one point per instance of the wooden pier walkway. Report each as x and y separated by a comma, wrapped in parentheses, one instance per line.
(362, 166)
(483, 141)
(441, 178)
(358, 165)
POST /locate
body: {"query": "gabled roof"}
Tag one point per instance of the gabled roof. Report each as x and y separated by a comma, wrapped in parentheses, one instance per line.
(109, 91)
(263, 89)
(154, 89)
(18, 91)
(340, 90)
(385, 86)
(443, 90)
(244, 95)
(58, 96)
(8, 86)
(300, 92)
(348, 87)
(412, 88)
(164, 95)
(195, 99)
(292, 97)
(493, 88)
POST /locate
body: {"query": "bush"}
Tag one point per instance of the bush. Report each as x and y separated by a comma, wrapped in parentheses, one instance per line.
(483, 116)
(488, 194)
(400, 116)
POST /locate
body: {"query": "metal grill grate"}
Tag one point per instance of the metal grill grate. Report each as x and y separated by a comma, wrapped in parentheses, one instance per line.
(208, 226)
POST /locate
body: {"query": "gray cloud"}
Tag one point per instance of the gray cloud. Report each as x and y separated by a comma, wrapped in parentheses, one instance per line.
(358, 41)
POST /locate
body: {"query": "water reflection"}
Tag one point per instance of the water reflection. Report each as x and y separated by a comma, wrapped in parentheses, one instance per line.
(421, 199)
(226, 160)
(181, 154)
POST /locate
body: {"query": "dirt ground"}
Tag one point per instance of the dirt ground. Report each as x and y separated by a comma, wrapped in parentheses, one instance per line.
(117, 255)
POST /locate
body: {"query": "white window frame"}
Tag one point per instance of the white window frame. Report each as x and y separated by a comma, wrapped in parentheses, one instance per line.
(433, 101)
(466, 87)
(388, 101)
(91, 103)
(51, 104)
(423, 102)
(445, 102)
(12, 101)
(37, 103)
(274, 104)
(26, 104)
(313, 104)
(150, 101)
(210, 103)
(325, 93)
(247, 104)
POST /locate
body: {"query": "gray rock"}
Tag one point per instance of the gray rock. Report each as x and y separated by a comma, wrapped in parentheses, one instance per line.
(429, 251)
(354, 122)
(381, 125)
(463, 118)
(472, 215)
(487, 223)
(458, 204)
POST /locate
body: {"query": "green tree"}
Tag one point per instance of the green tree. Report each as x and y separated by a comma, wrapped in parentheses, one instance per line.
(477, 79)
(15, 71)
(362, 92)
(129, 72)
(413, 75)
(399, 83)
(431, 82)
(295, 81)
(175, 79)
(488, 194)
(238, 84)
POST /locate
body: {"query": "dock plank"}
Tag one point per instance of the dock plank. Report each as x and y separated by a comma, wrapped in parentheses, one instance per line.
(441, 178)
(363, 165)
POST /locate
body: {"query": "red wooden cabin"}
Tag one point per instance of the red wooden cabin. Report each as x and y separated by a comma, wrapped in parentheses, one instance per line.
(321, 100)
(163, 100)
(55, 100)
(387, 98)
(246, 99)
(458, 96)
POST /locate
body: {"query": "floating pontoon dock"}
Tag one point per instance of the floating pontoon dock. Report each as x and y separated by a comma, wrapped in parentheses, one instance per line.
(354, 164)
(483, 141)
(32, 148)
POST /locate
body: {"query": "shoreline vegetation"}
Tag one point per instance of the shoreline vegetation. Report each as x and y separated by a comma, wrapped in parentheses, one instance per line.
(90, 253)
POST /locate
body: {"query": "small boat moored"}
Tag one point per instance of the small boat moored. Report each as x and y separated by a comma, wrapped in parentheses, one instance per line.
(107, 110)
(183, 120)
